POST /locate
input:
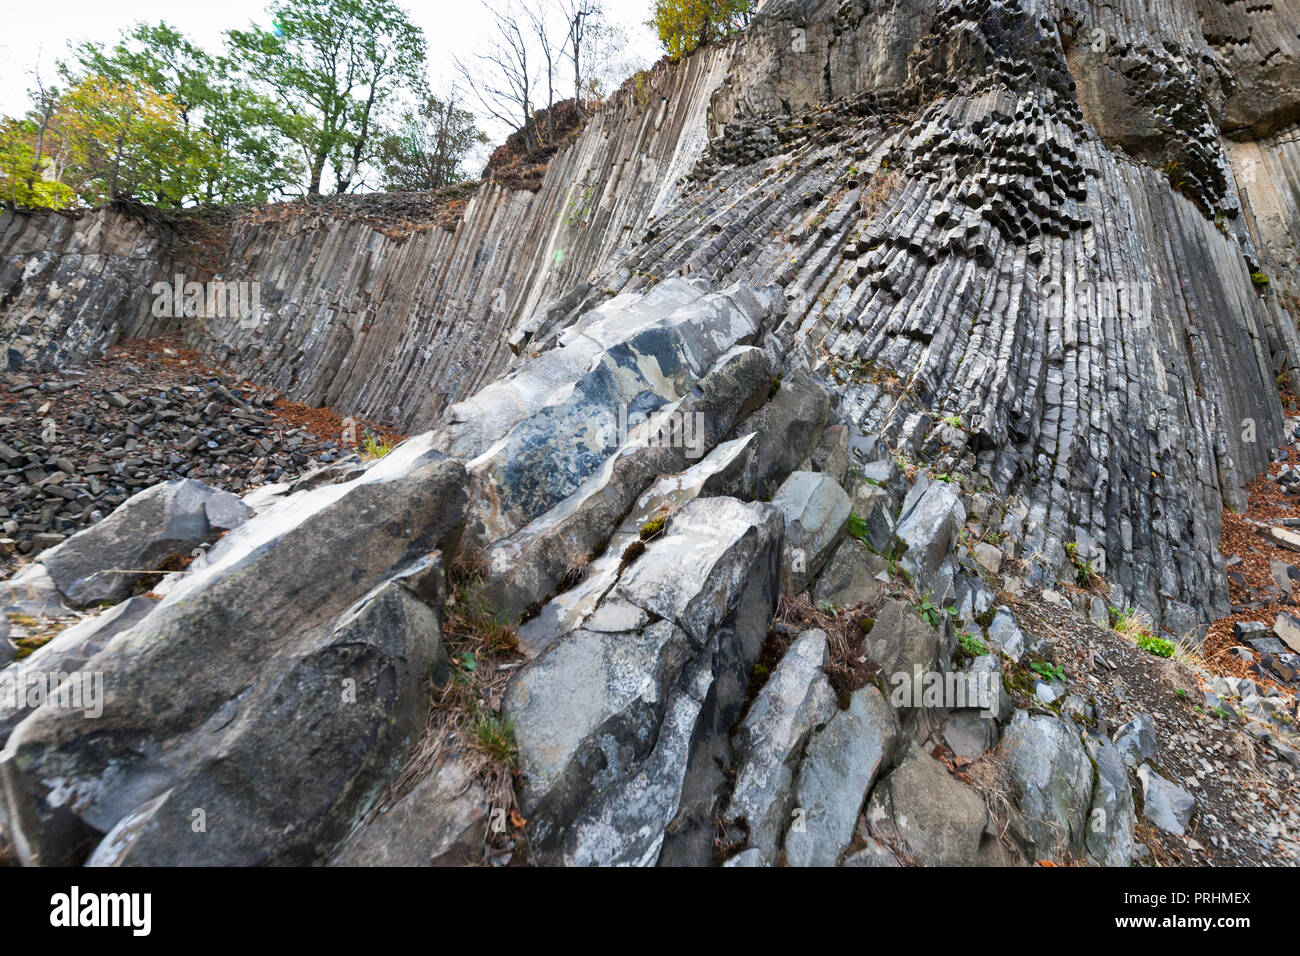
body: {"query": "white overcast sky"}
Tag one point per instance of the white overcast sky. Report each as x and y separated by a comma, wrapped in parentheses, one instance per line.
(41, 31)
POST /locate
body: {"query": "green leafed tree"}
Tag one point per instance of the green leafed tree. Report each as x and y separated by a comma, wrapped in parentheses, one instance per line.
(234, 148)
(28, 174)
(428, 149)
(685, 25)
(333, 67)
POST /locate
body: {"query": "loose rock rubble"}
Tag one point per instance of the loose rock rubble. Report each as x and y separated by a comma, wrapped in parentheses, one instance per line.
(74, 446)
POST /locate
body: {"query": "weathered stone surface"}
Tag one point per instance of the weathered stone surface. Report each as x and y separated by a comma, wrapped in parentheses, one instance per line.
(247, 650)
(831, 455)
(796, 699)
(164, 522)
(940, 819)
(842, 761)
(1053, 779)
(626, 388)
(441, 822)
(66, 654)
(848, 577)
(1111, 816)
(587, 712)
(1006, 634)
(901, 642)
(655, 702)
(1136, 740)
(1287, 628)
(816, 509)
(1165, 804)
(931, 517)
(785, 431)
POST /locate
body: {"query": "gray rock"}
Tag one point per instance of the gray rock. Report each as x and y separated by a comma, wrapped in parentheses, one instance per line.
(786, 430)
(989, 557)
(969, 734)
(940, 819)
(931, 517)
(848, 577)
(1287, 628)
(877, 507)
(1136, 740)
(164, 522)
(33, 592)
(796, 699)
(1053, 781)
(831, 455)
(251, 650)
(648, 751)
(574, 744)
(1111, 816)
(441, 822)
(873, 854)
(366, 681)
(1006, 634)
(1165, 804)
(841, 763)
(750, 857)
(67, 653)
(1098, 613)
(816, 510)
(901, 642)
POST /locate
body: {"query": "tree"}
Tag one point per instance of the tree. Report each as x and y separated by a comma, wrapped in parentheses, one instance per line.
(334, 66)
(501, 77)
(239, 153)
(685, 25)
(28, 178)
(429, 148)
(593, 46)
(124, 141)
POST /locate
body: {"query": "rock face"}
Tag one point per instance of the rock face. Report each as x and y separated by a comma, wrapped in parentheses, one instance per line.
(841, 763)
(621, 723)
(1054, 779)
(792, 704)
(162, 523)
(70, 286)
(941, 820)
(330, 665)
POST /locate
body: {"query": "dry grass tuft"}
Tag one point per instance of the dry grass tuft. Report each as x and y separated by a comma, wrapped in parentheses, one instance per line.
(465, 714)
(846, 630)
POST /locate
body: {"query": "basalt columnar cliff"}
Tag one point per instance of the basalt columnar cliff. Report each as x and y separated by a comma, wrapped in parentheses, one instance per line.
(819, 357)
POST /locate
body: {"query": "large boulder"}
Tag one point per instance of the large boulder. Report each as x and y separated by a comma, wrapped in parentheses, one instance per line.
(158, 525)
(587, 711)
(1110, 817)
(932, 515)
(816, 509)
(537, 561)
(64, 656)
(295, 663)
(902, 643)
(849, 576)
(786, 430)
(622, 723)
(442, 821)
(842, 762)
(1053, 781)
(796, 699)
(637, 387)
(939, 819)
